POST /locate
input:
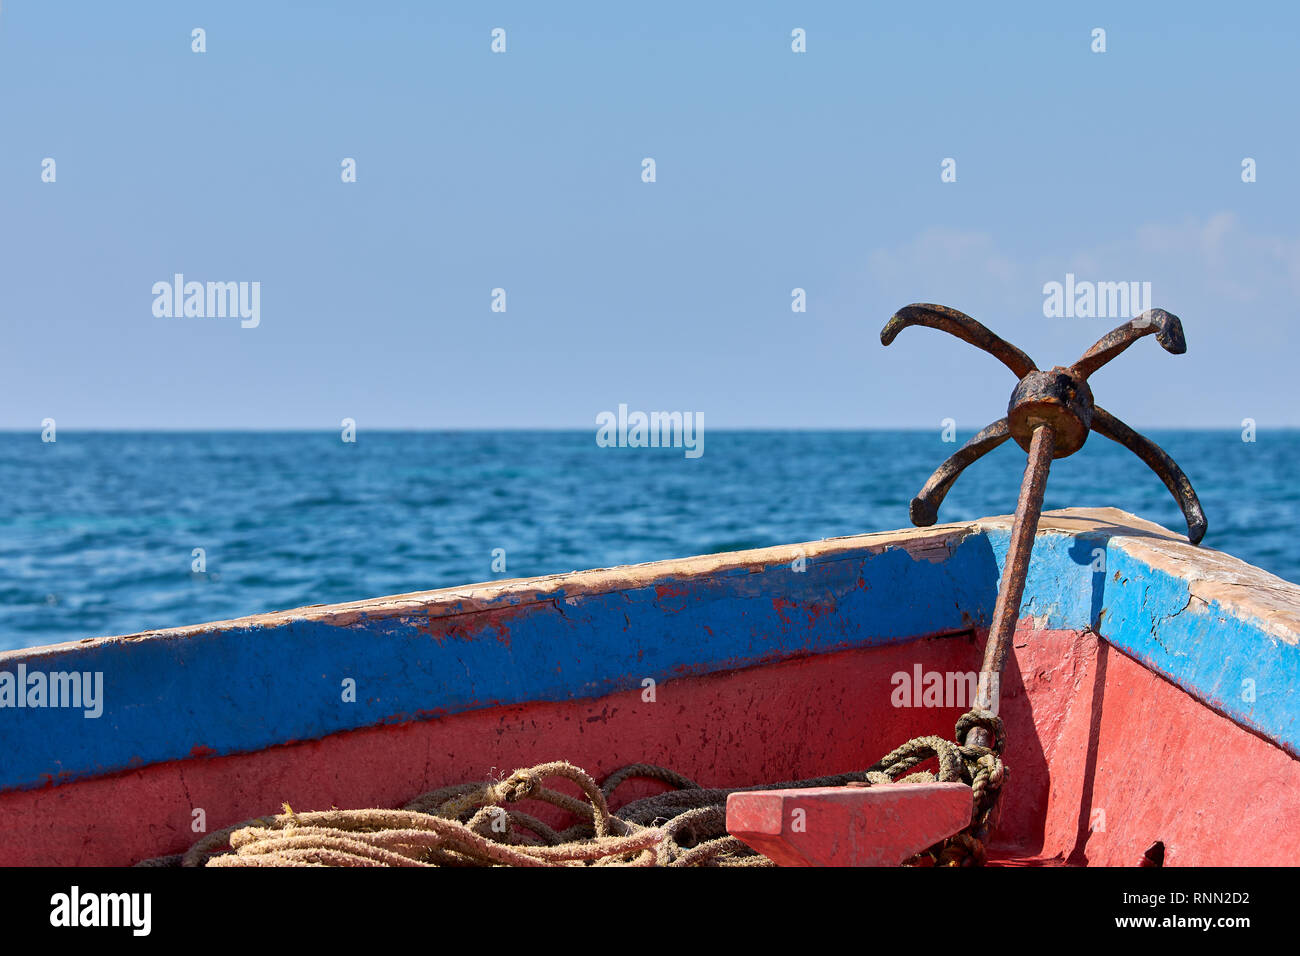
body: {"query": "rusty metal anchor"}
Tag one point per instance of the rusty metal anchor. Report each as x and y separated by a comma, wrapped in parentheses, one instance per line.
(1049, 416)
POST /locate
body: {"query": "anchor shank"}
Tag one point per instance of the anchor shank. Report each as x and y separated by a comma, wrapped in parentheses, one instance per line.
(1006, 611)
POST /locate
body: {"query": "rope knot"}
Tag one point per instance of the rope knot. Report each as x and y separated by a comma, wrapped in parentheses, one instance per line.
(520, 785)
(987, 720)
(991, 764)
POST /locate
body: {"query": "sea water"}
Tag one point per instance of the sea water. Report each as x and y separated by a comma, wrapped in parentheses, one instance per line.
(114, 532)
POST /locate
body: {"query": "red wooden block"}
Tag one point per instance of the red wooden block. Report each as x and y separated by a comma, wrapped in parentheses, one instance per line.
(848, 826)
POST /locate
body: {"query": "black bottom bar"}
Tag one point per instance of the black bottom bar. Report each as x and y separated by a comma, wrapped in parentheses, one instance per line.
(490, 907)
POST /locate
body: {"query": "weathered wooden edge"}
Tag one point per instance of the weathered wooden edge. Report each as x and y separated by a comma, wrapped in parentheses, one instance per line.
(1211, 575)
(930, 544)
(1244, 590)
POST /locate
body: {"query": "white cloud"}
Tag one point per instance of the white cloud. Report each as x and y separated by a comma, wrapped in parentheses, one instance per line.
(1214, 256)
(949, 249)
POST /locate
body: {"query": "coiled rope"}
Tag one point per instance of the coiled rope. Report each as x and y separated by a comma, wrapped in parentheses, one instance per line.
(480, 824)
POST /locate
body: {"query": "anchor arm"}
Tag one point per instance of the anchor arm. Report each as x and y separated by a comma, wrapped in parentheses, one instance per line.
(1166, 325)
(964, 327)
(925, 506)
(1159, 461)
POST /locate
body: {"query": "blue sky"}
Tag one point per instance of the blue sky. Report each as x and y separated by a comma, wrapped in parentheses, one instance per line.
(522, 171)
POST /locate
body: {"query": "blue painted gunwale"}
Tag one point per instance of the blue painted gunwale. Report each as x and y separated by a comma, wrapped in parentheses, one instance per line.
(249, 684)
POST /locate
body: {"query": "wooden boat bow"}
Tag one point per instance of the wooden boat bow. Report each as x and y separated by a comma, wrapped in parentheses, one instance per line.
(1132, 643)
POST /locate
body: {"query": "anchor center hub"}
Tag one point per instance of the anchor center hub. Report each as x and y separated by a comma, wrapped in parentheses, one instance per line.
(1058, 398)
